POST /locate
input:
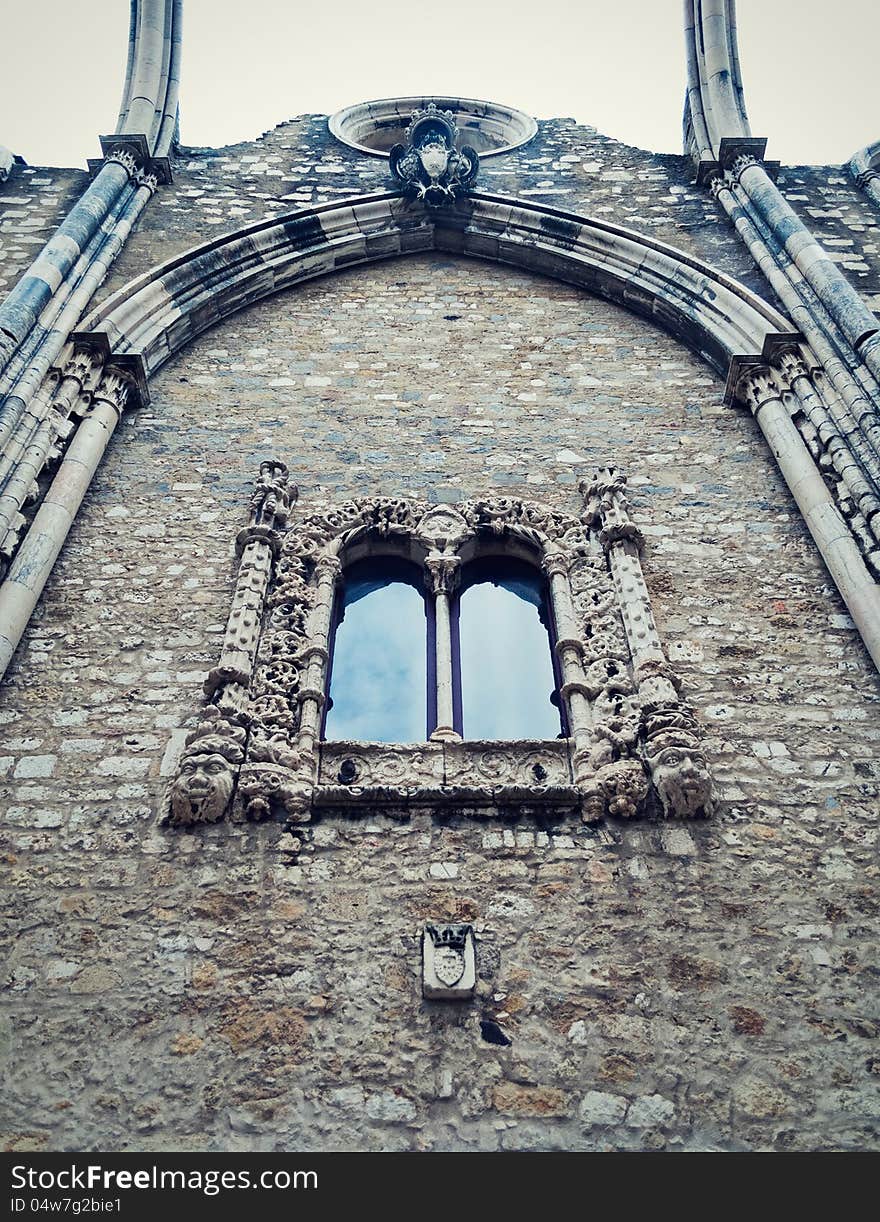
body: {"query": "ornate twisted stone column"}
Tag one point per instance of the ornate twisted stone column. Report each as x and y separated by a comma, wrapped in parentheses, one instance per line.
(204, 785)
(257, 546)
(671, 737)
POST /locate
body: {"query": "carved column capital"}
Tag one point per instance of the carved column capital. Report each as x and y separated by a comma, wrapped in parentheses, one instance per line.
(124, 157)
(327, 568)
(81, 364)
(442, 573)
(756, 387)
(146, 178)
(555, 562)
(717, 183)
(113, 389)
(791, 366)
(742, 163)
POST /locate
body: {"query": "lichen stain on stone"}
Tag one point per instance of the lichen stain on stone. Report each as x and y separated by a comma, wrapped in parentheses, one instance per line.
(246, 1027)
(515, 1100)
(746, 1021)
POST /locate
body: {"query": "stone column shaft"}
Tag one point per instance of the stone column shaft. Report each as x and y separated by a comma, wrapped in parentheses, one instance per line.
(312, 694)
(830, 532)
(569, 648)
(442, 572)
(44, 540)
(445, 728)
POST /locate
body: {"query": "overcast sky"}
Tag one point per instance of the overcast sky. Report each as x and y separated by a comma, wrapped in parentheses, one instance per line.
(809, 67)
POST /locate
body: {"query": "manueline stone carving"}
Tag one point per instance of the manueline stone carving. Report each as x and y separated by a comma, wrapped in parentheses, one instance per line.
(628, 726)
(429, 167)
(205, 779)
(208, 773)
(669, 732)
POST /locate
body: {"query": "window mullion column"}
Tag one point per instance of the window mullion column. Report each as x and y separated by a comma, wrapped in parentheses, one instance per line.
(442, 574)
(315, 655)
(570, 651)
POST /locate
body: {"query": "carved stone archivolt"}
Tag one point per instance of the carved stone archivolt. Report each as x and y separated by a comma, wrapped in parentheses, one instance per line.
(256, 753)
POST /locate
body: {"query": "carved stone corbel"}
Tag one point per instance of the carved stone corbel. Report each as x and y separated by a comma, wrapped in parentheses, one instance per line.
(203, 785)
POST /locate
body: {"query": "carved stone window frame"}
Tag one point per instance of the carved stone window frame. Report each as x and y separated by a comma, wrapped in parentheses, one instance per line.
(633, 745)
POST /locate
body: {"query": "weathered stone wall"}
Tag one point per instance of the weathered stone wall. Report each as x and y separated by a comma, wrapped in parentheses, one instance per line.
(709, 985)
(33, 203)
(842, 218)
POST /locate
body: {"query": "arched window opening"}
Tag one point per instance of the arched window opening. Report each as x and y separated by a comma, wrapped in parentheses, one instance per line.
(379, 689)
(503, 639)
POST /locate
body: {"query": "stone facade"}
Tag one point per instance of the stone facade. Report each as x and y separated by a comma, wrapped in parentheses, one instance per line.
(648, 983)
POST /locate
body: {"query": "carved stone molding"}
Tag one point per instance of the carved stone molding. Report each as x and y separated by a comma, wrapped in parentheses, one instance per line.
(628, 726)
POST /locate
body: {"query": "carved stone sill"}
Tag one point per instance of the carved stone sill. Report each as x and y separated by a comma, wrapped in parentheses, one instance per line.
(534, 773)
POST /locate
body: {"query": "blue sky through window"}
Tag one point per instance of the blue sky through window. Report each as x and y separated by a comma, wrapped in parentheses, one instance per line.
(379, 680)
(506, 667)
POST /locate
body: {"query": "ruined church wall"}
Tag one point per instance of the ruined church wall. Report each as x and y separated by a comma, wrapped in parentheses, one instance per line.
(664, 986)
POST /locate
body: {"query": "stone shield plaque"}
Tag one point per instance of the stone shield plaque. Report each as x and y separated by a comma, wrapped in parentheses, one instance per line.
(448, 962)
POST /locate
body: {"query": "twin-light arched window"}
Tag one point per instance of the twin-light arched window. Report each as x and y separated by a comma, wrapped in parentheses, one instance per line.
(383, 668)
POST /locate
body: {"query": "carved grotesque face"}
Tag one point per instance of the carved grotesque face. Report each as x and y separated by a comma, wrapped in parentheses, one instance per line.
(201, 790)
(682, 780)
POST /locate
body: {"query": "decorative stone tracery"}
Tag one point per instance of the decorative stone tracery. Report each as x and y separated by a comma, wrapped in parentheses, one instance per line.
(257, 751)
